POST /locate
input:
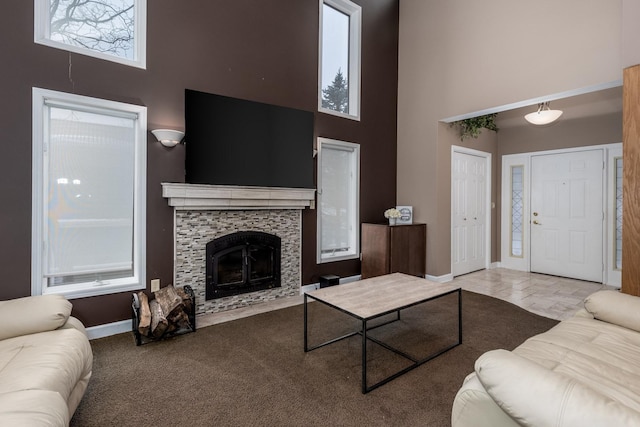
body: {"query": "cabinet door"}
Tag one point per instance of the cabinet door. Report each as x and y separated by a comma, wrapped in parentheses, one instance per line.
(375, 250)
(407, 249)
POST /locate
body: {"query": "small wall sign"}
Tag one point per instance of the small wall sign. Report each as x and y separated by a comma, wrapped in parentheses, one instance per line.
(406, 214)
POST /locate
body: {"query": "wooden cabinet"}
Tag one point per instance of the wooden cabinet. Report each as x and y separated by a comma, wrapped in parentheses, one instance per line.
(393, 249)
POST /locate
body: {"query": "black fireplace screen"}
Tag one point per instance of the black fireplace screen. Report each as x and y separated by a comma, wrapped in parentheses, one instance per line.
(241, 262)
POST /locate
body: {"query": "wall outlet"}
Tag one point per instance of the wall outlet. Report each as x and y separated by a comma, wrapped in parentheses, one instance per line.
(155, 285)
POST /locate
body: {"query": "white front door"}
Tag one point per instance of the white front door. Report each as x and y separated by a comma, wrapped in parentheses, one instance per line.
(567, 214)
(469, 211)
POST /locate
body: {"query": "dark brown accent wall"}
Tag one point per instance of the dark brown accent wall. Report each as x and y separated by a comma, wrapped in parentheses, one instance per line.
(261, 50)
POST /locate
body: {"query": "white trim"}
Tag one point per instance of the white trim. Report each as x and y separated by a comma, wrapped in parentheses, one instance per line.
(355, 199)
(488, 162)
(39, 128)
(440, 279)
(108, 329)
(354, 12)
(41, 23)
(534, 101)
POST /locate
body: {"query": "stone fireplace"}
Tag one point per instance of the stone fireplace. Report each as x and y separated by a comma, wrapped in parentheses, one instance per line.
(204, 213)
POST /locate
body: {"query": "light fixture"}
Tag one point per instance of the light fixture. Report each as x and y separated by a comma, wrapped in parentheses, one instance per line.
(168, 137)
(544, 115)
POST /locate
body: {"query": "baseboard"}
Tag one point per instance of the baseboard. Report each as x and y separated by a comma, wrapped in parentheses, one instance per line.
(494, 265)
(440, 279)
(109, 329)
(314, 286)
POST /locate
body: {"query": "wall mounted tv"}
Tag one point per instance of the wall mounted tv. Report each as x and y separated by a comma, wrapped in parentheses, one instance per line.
(232, 141)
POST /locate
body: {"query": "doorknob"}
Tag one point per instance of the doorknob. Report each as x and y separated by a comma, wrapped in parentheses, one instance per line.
(535, 214)
(536, 222)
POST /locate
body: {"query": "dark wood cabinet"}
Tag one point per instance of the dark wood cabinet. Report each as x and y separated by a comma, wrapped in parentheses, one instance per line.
(393, 249)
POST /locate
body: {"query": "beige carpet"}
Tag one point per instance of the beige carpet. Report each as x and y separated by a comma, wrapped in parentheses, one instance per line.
(254, 372)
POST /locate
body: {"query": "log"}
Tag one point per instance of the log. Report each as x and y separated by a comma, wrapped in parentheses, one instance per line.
(186, 300)
(144, 315)
(159, 322)
(169, 300)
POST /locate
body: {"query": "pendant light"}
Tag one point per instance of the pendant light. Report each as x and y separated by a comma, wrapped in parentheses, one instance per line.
(544, 115)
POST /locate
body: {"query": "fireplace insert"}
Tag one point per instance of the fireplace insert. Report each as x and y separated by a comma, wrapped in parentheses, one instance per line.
(241, 262)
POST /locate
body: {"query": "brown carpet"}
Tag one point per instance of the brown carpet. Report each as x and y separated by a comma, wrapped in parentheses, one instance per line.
(254, 372)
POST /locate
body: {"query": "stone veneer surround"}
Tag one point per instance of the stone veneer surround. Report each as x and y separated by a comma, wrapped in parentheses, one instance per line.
(195, 228)
(206, 212)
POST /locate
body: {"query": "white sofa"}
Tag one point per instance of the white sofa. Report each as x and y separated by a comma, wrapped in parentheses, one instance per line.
(45, 361)
(583, 372)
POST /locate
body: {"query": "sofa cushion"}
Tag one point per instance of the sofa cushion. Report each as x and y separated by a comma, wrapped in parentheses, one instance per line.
(33, 408)
(30, 315)
(535, 396)
(615, 307)
(55, 361)
(601, 356)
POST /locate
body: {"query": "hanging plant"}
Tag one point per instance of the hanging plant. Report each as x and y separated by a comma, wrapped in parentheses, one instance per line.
(473, 126)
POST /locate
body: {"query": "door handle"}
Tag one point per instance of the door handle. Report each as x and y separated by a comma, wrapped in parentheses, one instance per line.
(535, 214)
(536, 222)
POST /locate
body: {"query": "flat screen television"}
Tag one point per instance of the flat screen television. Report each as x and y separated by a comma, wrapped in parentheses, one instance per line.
(231, 141)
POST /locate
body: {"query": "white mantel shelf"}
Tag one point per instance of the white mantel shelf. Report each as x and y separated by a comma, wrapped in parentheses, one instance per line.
(230, 197)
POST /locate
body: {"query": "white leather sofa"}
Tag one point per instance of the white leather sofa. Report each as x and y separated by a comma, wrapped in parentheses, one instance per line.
(45, 361)
(583, 372)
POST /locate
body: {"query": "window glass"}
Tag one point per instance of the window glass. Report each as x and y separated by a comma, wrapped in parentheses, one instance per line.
(108, 29)
(618, 233)
(89, 203)
(338, 182)
(339, 74)
(517, 210)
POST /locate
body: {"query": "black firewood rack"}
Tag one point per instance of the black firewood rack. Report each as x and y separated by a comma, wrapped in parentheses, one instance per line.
(135, 319)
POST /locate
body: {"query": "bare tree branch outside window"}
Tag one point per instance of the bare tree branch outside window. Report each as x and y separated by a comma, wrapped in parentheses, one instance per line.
(100, 25)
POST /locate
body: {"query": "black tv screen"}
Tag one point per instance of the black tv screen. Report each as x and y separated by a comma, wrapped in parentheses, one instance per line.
(232, 141)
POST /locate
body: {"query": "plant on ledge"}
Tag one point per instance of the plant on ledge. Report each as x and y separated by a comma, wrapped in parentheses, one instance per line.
(473, 126)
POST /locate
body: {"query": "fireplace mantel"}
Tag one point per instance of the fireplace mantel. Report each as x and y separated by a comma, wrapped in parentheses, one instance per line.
(230, 197)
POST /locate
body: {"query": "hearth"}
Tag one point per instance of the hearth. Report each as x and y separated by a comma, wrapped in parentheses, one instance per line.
(242, 262)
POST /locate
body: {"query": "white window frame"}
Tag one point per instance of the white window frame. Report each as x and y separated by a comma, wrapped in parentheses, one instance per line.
(41, 99)
(354, 12)
(41, 29)
(354, 197)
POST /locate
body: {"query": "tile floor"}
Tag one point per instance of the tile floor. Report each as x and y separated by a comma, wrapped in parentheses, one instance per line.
(550, 296)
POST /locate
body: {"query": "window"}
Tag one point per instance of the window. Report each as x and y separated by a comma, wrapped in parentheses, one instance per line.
(89, 180)
(517, 210)
(339, 74)
(618, 214)
(114, 30)
(338, 200)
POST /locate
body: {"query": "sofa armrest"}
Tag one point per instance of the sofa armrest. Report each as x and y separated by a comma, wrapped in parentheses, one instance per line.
(535, 396)
(615, 307)
(30, 315)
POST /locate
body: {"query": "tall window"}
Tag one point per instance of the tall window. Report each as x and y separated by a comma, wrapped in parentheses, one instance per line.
(517, 210)
(618, 210)
(89, 159)
(339, 86)
(338, 200)
(114, 30)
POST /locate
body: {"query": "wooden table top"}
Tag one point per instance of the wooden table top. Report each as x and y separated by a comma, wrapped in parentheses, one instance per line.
(382, 294)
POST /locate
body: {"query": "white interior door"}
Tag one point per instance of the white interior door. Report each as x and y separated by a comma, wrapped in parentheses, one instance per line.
(469, 212)
(567, 214)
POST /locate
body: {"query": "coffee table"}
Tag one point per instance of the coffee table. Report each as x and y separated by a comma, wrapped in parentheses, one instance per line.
(372, 298)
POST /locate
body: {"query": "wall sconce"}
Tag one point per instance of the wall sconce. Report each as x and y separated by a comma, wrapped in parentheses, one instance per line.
(168, 137)
(544, 115)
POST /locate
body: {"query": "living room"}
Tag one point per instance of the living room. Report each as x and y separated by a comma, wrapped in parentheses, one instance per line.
(423, 63)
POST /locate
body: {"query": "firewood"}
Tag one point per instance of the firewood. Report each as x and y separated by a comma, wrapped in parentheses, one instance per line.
(186, 300)
(159, 322)
(144, 320)
(169, 300)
